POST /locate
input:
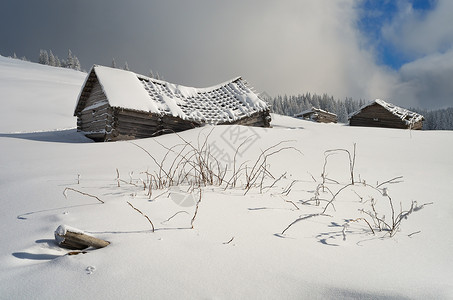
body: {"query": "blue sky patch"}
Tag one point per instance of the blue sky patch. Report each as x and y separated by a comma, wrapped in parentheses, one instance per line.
(374, 14)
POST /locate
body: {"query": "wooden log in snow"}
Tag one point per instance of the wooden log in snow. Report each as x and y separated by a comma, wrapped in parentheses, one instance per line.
(72, 238)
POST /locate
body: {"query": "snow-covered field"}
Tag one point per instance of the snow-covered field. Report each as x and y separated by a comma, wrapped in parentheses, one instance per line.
(236, 248)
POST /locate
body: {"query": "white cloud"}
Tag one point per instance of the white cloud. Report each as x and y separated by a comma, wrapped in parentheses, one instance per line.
(417, 32)
(286, 47)
(426, 82)
(425, 37)
(298, 47)
(281, 47)
(303, 46)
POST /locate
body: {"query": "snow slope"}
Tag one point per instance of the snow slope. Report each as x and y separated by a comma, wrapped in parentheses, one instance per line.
(236, 249)
(37, 97)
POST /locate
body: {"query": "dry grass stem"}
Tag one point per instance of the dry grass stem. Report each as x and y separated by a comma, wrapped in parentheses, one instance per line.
(393, 180)
(77, 191)
(196, 210)
(289, 201)
(177, 213)
(226, 243)
(152, 225)
(303, 218)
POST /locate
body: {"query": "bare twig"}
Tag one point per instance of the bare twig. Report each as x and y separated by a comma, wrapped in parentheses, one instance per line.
(226, 243)
(152, 225)
(393, 180)
(129, 182)
(85, 194)
(328, 153)
(179, 212)
(312, 176)
(275, 181)
(365, 220)
(289, 201)
(196, 210)
(288, 189)
(334, 196)
(411, 234)
(303, 218)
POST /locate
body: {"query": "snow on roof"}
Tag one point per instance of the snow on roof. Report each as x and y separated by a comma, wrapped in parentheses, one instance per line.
(124, 90)
(313, 110)
(409, 117)
(225, 102)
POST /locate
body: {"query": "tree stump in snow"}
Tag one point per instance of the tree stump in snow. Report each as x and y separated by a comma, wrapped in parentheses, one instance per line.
(72, 238)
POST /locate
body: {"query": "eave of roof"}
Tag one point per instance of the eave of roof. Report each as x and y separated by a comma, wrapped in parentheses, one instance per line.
(314, 110)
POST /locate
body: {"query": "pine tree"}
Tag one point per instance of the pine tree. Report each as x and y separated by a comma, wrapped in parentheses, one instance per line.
(113, 63)
(76, 63)
(70, 60)
(43, 57)
(342, 113)
(151, 74)
(57, 62)
(52, 59)
(126, 66)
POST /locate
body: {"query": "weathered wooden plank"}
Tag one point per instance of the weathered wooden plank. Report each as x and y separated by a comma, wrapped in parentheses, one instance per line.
(94, 119)
(96, 107)
(76, 239)
(151, 122)
(93, 126)
(256, 120)
(138, 114)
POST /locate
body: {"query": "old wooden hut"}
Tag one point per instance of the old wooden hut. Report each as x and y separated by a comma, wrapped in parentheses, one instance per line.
(379, 113)
(116, 104)
(317, 115)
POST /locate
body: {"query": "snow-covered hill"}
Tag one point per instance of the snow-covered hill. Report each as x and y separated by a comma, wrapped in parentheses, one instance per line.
(236, 248)
(37, 97)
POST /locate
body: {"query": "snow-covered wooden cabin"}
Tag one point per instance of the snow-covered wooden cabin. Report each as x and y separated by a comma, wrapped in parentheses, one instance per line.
(116, 104)
(317, 115)
(379, 113)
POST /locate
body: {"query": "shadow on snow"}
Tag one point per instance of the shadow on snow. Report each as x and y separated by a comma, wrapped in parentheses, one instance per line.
(56, 136)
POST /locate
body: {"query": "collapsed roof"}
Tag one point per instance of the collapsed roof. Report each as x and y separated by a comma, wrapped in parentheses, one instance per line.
(226, 102)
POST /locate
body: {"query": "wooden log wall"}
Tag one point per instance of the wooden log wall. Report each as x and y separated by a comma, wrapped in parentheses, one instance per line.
(129, 124)
(259, 119)
(97, 117)
(326, 118)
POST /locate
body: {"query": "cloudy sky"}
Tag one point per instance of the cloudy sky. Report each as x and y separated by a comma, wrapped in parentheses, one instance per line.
(397, 50)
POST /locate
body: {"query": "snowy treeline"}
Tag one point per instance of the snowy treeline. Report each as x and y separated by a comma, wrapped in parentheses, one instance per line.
(291, 105)
(441, 119)
(15, 57)
(126, 67)
(48, 58)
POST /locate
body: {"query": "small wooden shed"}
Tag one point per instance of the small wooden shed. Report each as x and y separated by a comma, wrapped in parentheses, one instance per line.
(116, 104)
(317, 115)
(379, 113)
